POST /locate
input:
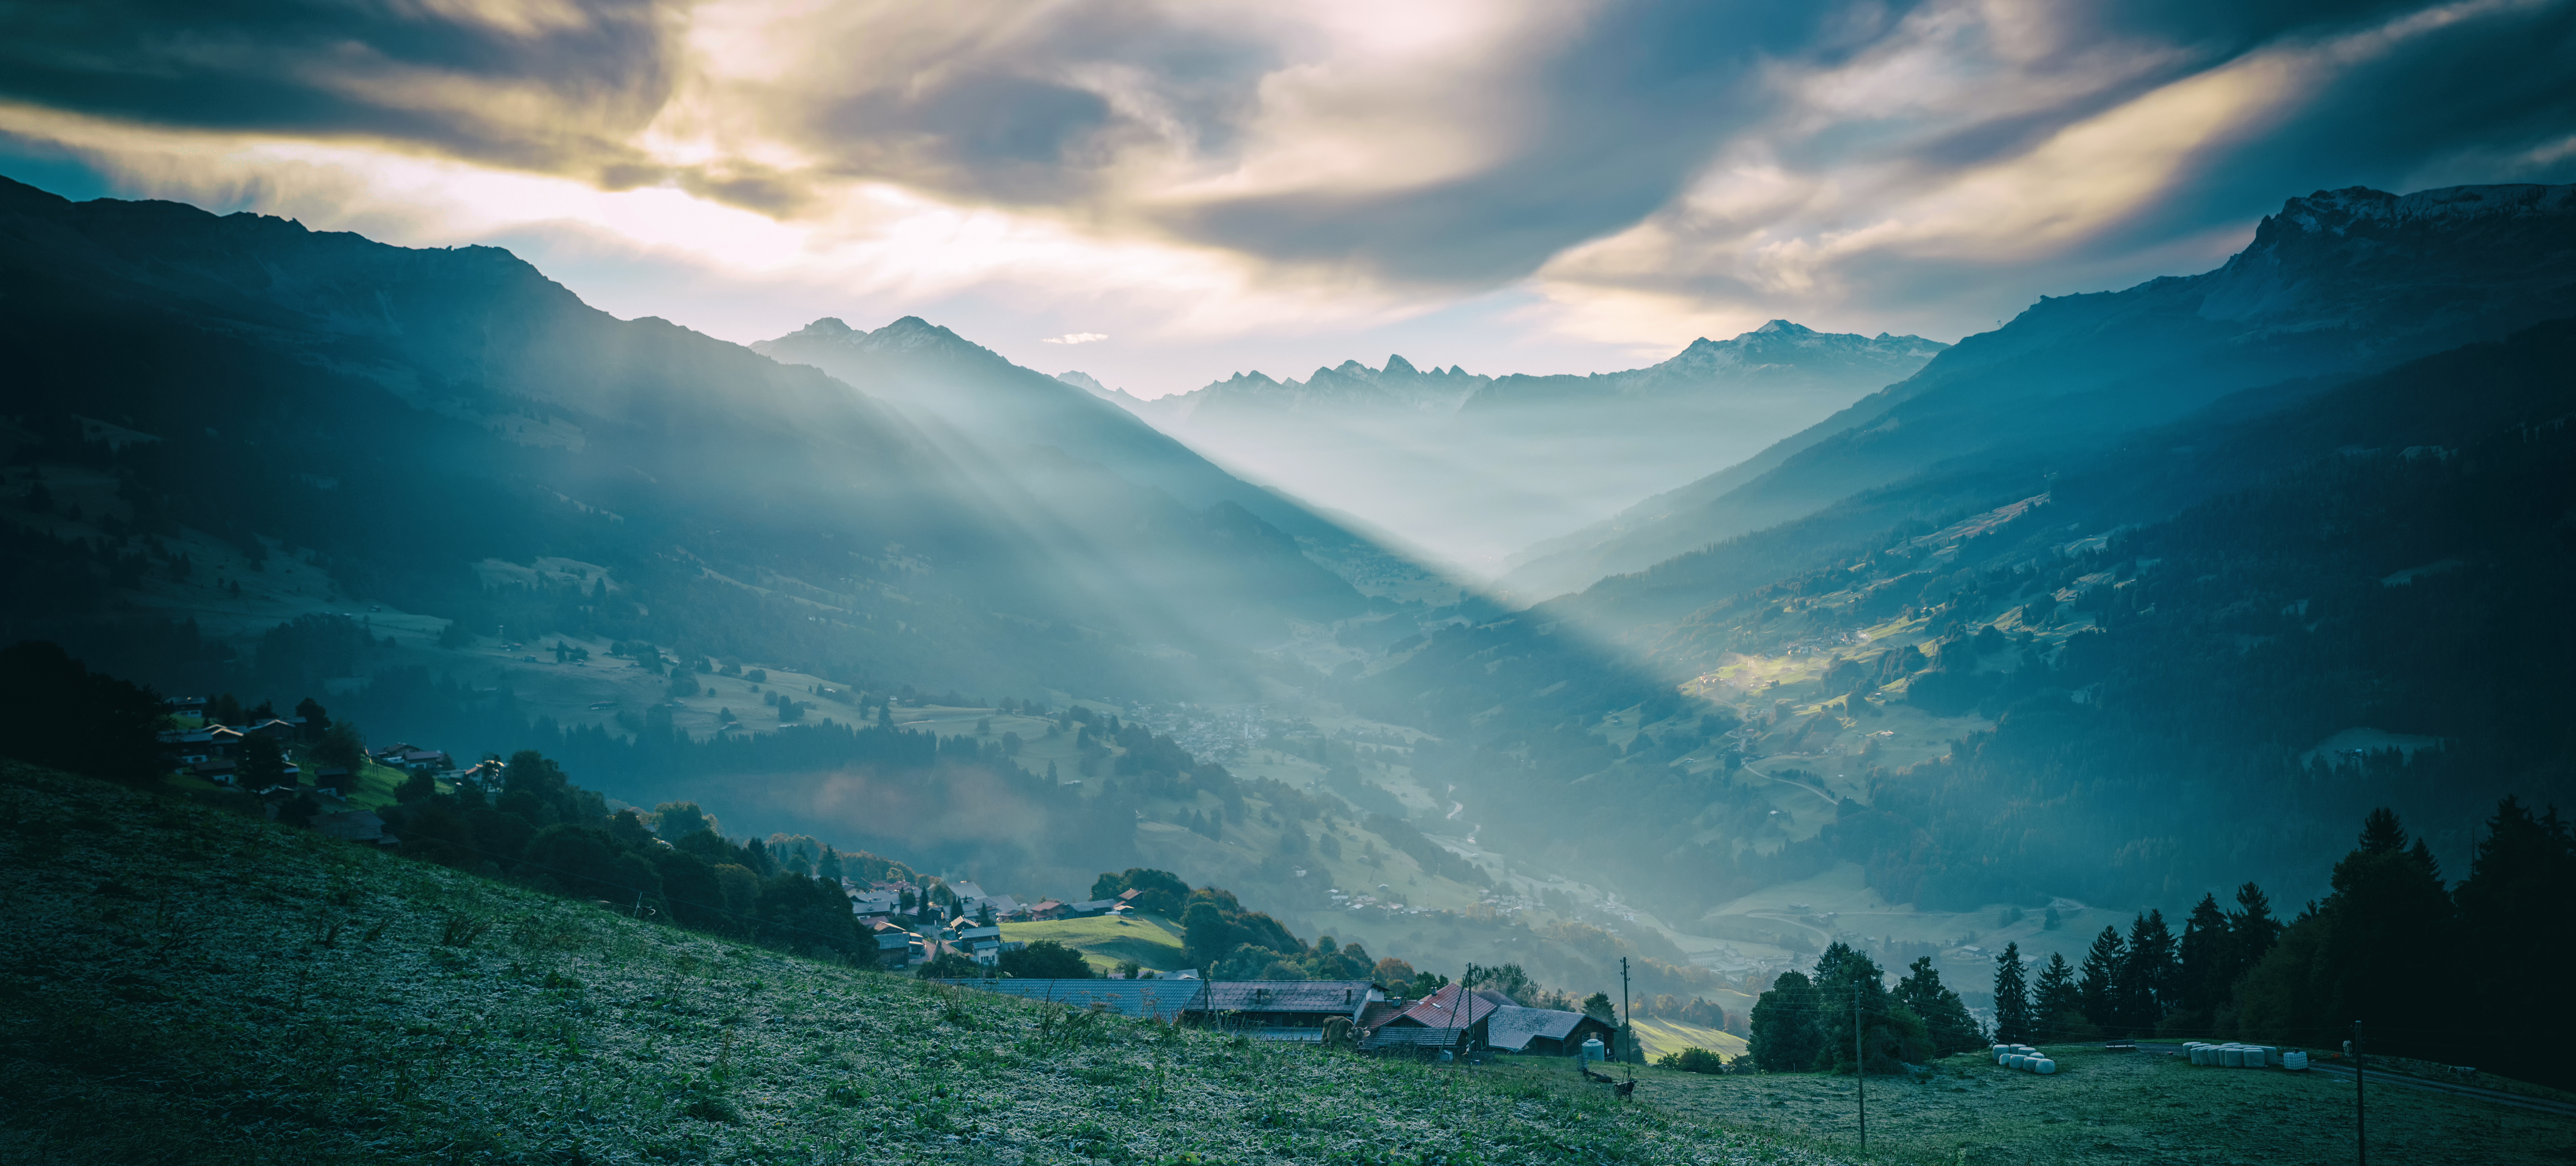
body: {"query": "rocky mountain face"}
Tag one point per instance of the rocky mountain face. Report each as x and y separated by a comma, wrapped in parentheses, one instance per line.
(1471, 467)
(2338, 284)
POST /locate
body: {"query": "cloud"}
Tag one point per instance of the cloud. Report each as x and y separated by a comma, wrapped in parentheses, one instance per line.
(1074, 338)
(1621, 173)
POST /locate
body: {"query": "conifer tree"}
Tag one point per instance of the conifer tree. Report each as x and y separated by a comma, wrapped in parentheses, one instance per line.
(2519, 929)
(2097, 987)
(2148, 976)
(2251, 932)
(2012, 997)
(1945, 1016)
(2207, 960)
(2055, 1004)
(1783, 1036)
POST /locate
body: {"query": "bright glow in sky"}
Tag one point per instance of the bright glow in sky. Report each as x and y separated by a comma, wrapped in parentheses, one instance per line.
(1164, 194)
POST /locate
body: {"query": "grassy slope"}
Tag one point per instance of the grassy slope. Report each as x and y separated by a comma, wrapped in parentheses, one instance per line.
(1672, 1036)
(1106, 940)
(184, 985)
(2115, 1107)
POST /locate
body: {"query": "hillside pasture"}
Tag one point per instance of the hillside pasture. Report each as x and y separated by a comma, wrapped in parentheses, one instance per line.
(2105, 1106)
(1105, 940)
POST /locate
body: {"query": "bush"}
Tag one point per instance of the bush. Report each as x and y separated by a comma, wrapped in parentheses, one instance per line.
(1693, 1060)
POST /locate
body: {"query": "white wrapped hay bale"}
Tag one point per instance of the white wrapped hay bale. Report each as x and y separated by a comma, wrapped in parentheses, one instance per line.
(2295, 1061)
(2044, 1067)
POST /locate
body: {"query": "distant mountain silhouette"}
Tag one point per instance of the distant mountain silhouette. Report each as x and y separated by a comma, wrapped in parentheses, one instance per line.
(1473, 466)
(2338, 283)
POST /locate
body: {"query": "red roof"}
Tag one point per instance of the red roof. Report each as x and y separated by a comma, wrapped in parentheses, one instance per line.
(1439, 1009)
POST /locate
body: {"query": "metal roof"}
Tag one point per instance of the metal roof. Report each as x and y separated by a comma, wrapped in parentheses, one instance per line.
(1439, 1009)
(1514, 1028)
(1162, 999)
(1335, 997)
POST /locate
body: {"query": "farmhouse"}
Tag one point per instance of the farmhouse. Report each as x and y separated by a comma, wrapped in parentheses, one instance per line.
(1291, 1010)
(1547, 1032)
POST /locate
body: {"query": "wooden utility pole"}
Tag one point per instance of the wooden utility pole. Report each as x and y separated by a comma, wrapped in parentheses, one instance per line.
(1860, 1069)
(1627, 1021)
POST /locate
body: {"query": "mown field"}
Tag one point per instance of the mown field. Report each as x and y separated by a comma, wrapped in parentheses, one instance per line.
(2117, 1107)
(1672, 1036)
(178, 984)
(1106, 940)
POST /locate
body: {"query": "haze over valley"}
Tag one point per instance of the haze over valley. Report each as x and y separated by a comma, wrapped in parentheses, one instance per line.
(681, 602)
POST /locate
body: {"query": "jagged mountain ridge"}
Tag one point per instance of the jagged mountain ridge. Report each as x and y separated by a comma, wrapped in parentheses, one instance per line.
(1472, 466)
(2338, 284)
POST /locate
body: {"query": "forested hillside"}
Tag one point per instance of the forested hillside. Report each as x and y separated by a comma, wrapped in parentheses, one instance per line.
(2138, 699)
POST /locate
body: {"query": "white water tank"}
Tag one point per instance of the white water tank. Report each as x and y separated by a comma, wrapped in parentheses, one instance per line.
(2295, 1061)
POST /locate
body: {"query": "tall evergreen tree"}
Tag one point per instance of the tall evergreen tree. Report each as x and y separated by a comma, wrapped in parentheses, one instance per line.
(1888, 1035)
(1945, 1016)
(2208, 961)
(2148, 976)
(2098, 986)
(2251, 932)
(2056, 1005)
(2392, 932)
(2518, 927)
(1784, 1027)
(2012, 997)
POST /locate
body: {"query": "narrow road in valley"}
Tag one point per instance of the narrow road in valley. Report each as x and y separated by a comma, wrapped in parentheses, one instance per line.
(1830, 799)
(2498, 1096)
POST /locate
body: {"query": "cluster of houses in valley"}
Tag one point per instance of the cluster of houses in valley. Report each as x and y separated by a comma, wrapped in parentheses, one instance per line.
(214, 752)
(966, 921)
(971, 928)
(1354, 1014)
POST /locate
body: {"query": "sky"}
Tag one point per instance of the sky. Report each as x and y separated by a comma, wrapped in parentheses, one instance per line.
(1165, 194)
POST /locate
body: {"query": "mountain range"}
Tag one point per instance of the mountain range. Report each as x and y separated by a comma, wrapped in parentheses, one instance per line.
(2338, 283)
(408, 417)
(2142, 594)
(1469, 467)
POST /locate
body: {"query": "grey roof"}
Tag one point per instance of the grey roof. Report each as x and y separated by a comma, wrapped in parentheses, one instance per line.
(1161, 999)
(1514, 1028)
(1333, 997)
(1413, 1035)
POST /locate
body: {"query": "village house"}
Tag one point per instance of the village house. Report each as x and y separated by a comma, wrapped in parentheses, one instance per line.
(1449, 1018)
(1547, 1032)
(1289, 1010)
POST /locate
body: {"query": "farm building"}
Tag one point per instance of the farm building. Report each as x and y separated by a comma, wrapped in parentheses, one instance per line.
(1547, 1032)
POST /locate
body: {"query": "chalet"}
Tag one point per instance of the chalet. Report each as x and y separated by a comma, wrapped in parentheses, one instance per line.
(1047, 909)
(981, 943)
(1547, 1032)
(1090, 907)
(1290, 1010)
(1448, 1019)
(896, 945)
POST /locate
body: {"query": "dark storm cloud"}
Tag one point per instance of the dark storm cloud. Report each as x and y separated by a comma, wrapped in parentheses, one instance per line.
(1638, 104)
(1035, 104)
(1631, 107)
(543, 85)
